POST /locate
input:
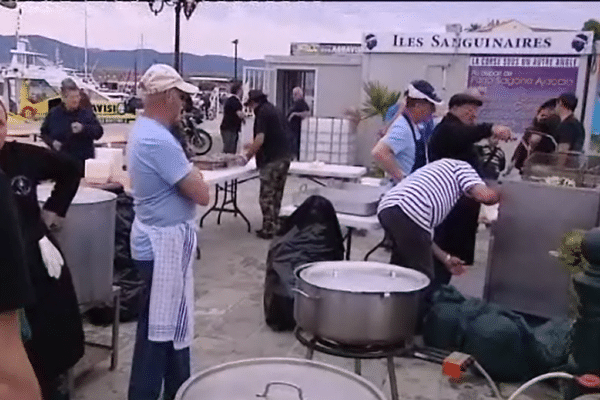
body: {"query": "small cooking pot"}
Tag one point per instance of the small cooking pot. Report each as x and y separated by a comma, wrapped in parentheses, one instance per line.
(358, 302)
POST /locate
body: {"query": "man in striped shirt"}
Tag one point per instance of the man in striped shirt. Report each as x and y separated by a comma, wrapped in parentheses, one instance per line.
(411, 210)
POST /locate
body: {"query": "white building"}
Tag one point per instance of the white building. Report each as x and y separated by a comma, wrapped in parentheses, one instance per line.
(514, 67)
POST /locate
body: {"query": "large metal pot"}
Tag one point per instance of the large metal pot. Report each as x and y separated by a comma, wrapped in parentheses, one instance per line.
(87, 240)
(357, 302)
(277, 378)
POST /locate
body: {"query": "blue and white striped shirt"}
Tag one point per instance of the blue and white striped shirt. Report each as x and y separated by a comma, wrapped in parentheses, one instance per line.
(428, 195)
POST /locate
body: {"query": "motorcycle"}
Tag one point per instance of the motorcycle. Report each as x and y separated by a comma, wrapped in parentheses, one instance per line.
(197, 140)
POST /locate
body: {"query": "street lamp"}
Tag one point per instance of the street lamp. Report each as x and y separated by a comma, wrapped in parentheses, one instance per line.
(235, 44)
(188, 7)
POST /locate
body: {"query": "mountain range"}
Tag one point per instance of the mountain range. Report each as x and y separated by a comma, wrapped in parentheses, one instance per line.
(125, 60)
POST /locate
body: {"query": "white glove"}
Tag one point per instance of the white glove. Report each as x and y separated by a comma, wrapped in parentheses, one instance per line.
(51, 257)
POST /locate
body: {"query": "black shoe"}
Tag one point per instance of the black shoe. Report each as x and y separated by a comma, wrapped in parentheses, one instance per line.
(264, 235)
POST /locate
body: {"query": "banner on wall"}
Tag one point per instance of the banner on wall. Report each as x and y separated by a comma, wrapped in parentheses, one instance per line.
(533, 43)
(515, 86)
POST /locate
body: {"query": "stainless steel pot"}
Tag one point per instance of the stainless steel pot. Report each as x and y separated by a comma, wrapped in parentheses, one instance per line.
(88, 241)
(357, 302)
(277, 378)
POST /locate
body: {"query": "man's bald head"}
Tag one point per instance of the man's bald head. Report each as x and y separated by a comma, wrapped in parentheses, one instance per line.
(297, 93)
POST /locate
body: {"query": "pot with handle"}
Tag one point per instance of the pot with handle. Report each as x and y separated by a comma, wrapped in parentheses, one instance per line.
(277, 378)
(358, 302)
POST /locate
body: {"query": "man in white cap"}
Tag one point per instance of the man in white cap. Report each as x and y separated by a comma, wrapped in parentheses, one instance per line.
(402, 149)
(166, 189)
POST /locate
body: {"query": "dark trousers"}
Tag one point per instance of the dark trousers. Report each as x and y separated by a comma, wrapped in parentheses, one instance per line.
(411, 248)
(295, 144)
(272, 184)
(411, 244)
(154, 363)
(456, 235)
(230, 141)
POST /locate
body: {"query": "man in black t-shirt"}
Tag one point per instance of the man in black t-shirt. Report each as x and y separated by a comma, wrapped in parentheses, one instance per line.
(16, 292)
(271, 146)
(298, 112)
(233, 117)
(570, 133)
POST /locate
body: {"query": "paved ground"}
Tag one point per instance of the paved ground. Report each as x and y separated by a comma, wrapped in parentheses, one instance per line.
(229, 318)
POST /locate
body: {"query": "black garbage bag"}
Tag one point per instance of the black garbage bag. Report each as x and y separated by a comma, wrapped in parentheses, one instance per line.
(312, 233)
(125, 274)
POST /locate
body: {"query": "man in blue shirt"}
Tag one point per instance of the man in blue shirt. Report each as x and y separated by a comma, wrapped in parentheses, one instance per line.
(403, 147)
(166, 189)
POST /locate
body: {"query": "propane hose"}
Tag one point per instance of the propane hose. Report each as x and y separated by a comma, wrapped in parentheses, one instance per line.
(539, 379)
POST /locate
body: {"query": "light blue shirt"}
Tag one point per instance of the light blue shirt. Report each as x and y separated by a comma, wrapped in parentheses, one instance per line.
(400, 140)
(156, 163)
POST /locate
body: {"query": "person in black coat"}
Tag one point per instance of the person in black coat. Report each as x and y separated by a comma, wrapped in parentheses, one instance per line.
(57, 338)
(70, 128)
(455, 137)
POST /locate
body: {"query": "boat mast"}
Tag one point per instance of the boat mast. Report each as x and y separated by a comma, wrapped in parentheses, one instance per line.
(85, 54)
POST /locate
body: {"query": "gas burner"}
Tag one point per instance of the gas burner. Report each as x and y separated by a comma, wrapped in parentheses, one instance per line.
(367, 351)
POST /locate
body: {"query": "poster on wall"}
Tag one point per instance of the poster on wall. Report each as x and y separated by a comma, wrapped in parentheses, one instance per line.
(515, 86)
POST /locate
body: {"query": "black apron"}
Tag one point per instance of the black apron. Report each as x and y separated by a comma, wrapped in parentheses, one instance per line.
(420, 148)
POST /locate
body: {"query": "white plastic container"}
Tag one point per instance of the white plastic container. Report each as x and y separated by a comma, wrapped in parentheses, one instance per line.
(97, 170)
(114, 156)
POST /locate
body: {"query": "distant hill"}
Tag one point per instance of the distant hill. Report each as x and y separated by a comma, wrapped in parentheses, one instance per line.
(123, 60)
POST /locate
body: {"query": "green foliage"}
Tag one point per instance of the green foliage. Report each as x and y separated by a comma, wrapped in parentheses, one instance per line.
(380, 98)
(571, 256)
(594, 26)
(570, 253)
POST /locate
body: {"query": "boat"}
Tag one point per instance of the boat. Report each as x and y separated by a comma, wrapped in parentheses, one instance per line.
(31, 82)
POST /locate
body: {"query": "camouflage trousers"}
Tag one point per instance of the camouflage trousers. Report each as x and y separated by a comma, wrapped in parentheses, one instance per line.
(272, 184)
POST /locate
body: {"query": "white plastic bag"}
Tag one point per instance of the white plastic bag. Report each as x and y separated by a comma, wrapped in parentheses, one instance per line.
(51, 257)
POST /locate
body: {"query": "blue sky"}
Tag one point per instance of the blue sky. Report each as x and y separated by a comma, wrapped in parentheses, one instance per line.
(268, 27)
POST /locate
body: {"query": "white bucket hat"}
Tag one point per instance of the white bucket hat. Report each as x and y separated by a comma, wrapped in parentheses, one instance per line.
(161, 77)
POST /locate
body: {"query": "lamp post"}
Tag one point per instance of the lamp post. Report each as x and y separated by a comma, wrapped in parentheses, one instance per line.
(188, 7)
(235, 44)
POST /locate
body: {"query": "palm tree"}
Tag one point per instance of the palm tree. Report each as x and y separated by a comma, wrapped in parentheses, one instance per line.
(379, 99)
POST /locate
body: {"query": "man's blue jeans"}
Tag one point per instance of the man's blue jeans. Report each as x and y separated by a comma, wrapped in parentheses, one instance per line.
(154, 363)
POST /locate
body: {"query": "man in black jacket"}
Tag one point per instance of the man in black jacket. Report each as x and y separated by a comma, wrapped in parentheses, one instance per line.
(56, 328)
(271, 146)
(16, 374)
(70, 128)
(233, 117)
(454, 137)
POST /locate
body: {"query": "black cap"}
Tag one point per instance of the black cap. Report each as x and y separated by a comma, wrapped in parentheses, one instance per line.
(464, 98)
(254, 96)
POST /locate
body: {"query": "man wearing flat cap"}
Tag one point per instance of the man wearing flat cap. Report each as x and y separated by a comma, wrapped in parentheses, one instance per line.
(454, 137)
(271, 147)
(166, 189)
(402, 149)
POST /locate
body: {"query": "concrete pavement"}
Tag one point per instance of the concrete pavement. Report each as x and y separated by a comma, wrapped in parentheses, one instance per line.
(229, 318)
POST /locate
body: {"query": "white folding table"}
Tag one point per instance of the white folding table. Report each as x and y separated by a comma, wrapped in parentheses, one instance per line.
(226, 181)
